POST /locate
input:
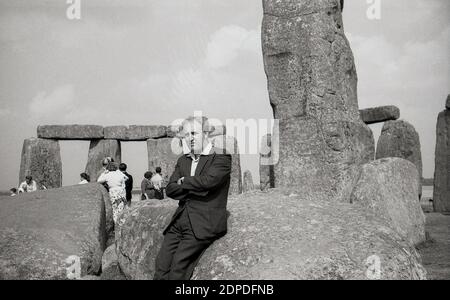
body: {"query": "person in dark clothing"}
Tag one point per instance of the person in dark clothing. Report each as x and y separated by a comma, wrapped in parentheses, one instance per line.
(128, 183)
(200, 182)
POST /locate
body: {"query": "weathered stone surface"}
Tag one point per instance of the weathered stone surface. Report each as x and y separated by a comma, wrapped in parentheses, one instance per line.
(266, 164)
(70, 132)
(367, 143)
(39, 231)
(400, 139)
(164, 153)
(312, 89)
(98, 150)
(135, 132)
(41, 159)
(379, 114)
(441, 191)
(110, 265)
(217, 130)
(389, 187)
(230, 145)
(274, 236)
(248, 184)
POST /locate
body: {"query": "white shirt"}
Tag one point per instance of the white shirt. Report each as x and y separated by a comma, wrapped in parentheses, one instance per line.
(157, 181)
(114, 179)
(194, 163)
(24, 187)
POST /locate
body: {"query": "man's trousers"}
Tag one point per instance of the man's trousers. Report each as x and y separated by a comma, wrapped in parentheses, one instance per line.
(180, 251)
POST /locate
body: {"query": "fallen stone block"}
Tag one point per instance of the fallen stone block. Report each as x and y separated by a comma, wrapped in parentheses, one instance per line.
(389, 187)
(274, 236)
(54, 234)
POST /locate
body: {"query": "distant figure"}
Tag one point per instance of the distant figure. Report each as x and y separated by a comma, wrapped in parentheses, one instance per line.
(147, 189)
(28, 186)
(115, 180)
(84, 178)
(128, 183)
(157, 182)
(13, 192)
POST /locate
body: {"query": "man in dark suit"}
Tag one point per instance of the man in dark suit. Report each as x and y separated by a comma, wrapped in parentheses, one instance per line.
(128, 183)
(200, 182)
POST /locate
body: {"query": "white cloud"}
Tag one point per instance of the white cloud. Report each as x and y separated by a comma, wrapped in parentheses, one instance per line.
(53, 105)
(226, 43)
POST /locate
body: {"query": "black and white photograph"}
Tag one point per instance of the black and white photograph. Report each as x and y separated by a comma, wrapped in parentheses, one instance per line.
(233, 143)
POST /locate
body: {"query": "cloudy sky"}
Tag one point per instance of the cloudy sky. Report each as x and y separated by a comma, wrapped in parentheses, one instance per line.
(150, 62)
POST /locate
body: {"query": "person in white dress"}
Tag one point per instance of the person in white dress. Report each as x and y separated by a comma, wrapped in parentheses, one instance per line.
(115, 180)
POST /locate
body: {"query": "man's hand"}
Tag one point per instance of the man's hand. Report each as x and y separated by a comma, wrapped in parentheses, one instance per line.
(180, 181)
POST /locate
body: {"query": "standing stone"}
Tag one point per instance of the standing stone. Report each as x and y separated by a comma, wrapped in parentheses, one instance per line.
(163, 153)
(248, 184)
(98, 150)
(42, 160)
(230, 145)
(379, 114)
(312, 86)
(266, 170)
(400, 139)
(441, 191)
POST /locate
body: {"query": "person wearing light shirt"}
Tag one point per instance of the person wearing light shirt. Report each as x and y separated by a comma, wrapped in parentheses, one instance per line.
(28, 186)
(115, 180)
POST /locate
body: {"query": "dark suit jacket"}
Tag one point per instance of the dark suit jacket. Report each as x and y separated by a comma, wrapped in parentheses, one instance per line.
(129, 186)
(204, 196)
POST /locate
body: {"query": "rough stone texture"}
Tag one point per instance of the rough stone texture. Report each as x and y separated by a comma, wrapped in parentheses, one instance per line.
(274, 236)
(140, 236)
(41, 159)
(98, 150)
(39, 231)
(163, 153)
(174, 130)
(70, 132)
(230, 145)
(248, 184)
(110, 265)
(441, 191)
(389, 187)
(312, 85)
(135, 132)
(266, 164)
(400, 139)
(379, 114)
(435, 251)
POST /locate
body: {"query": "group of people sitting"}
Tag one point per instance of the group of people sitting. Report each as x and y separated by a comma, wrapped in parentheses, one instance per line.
(27, 186)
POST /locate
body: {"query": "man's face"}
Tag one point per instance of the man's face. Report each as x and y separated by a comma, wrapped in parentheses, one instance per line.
(195, 137)
(28, 180)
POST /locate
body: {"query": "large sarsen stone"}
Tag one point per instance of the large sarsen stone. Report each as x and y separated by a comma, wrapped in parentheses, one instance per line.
(39, 231)
(274, 236)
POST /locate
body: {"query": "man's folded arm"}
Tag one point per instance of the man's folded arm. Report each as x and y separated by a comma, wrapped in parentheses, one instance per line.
(215, 175)
(174, 190)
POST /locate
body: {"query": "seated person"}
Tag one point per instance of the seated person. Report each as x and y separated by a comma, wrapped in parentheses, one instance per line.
(28, 186)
